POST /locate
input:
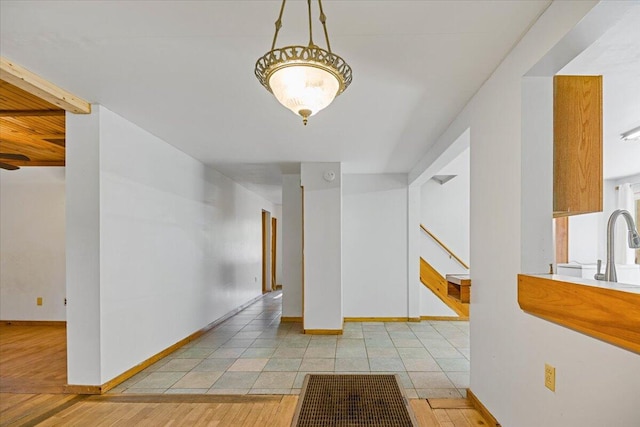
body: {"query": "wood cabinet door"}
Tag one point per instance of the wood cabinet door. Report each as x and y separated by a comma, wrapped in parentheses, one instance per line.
(577, 145)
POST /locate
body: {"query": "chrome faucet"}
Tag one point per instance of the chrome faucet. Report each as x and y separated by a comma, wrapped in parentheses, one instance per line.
(634, 242)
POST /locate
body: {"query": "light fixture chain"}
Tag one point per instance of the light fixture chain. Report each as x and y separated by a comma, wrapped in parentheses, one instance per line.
(323, 19)
(310, 27)
(278, 25)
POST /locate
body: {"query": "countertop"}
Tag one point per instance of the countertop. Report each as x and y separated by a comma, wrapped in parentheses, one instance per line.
(609, 311)
(615, 286)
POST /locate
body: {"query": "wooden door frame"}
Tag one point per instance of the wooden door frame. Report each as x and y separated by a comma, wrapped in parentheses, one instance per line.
(562, 239)
(264, 251)
(274, 234)
(302, 236)
(637, 201)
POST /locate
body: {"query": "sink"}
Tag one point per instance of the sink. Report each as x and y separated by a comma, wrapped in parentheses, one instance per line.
(628, 274)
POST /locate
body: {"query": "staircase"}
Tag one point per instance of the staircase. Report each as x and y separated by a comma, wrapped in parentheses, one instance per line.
(453, 290)
(440, 286)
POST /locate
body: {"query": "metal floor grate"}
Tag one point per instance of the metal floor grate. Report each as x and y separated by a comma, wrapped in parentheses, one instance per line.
(352, 400)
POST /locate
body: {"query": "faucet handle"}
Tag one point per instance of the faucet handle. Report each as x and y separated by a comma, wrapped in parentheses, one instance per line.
(598, 275)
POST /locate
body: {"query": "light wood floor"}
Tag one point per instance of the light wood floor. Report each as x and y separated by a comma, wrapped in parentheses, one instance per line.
(33, 359)
(194, 410)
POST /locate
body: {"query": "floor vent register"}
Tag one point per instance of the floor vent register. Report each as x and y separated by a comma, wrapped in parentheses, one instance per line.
(353, 400)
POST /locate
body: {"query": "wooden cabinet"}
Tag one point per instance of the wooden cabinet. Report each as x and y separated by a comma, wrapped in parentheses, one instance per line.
(577, 145)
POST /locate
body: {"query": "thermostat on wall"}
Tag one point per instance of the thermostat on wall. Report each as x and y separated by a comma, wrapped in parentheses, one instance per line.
(329, 175)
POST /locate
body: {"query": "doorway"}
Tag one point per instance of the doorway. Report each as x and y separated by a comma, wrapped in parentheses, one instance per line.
(274, 242)
(268, 264)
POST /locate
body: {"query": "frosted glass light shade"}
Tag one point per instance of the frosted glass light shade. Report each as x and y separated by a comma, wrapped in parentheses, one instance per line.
(304, 89)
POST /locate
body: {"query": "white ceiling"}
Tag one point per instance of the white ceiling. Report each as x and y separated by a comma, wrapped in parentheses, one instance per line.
(616, 56)
(184, 71)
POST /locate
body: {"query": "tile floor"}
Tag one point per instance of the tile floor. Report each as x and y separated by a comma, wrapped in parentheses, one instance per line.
(253, 353)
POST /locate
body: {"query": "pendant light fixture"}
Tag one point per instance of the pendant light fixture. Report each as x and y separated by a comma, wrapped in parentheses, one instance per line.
(305, 79)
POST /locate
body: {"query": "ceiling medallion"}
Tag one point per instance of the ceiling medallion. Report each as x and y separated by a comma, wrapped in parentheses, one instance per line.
(305, 79)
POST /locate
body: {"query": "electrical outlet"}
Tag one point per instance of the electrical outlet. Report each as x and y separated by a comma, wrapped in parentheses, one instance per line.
(549, 377)
(39, 301)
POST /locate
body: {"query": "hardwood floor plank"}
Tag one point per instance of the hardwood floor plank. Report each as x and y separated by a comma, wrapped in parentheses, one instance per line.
(242, 416)
(450, 403)
(194, 415)
(220, 413)
(33, 408)
(33, 358)
(208, 416)
(234, 409)
(253, 414)
(423, 413)
(125, 417)
(442, 416)
(151, 410)
(10, 400)
(474, 417)
(457, 418)
(285, 412)
(267, 414)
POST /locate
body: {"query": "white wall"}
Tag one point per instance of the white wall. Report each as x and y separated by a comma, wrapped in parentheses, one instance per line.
(180, 244)
(587, 233)
(32, 243)
(445, 212)
(374, 245)
(323, 307)
(584, 238)
(593, 379)
(84, 347)
(432, 306)
(291, 246)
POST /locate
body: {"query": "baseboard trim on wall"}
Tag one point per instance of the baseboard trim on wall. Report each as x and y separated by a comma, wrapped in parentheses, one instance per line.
(90, 389)
(34, 322)
(379, 319)
(288, 319)
(83, 389)
(449, 318)
(150, 361)
(482, 409)
(323, 331)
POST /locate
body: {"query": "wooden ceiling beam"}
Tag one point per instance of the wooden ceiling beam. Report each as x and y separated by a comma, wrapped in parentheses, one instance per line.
(40, 150)
(26, 163)
(35, 126)
(31, 113)
(31, 143)
(36, 85)
(35, 137)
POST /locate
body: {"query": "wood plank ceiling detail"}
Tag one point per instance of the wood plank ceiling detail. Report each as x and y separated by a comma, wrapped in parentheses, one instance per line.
(31, 126)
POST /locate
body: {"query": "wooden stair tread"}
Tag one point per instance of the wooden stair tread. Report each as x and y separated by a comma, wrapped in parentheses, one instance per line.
(459, 279)
(433, 280)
